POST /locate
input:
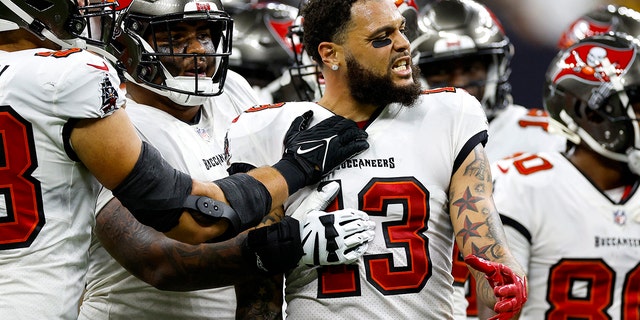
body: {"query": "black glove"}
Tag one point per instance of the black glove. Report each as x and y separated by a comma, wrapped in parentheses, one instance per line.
(275, 248)
(312, 153)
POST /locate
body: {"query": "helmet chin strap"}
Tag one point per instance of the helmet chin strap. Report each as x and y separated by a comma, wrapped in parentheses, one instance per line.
(6, 25)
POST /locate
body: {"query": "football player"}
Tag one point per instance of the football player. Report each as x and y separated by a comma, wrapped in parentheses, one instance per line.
(188, 130)
(64, 130)
(425, 180)
(572, 219)
(461, 43)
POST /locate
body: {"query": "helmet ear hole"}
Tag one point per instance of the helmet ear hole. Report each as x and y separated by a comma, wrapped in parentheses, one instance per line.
(146, 73)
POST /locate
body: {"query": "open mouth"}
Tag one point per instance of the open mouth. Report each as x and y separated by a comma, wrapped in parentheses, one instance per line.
(400, 66)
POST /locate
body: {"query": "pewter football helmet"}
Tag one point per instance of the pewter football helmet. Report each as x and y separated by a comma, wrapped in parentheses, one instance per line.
(590, 93)
(453, 29)
(68, 23)
(603, 19)
(153, 50)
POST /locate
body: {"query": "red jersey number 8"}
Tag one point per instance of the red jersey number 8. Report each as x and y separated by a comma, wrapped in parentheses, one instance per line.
(21, 214)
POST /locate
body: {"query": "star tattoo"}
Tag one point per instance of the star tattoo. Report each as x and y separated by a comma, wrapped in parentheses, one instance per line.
(467, 202)
(480, 252)
(470, 230)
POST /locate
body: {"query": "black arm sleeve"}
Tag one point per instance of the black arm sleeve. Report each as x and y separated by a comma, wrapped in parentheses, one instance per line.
(154, 191)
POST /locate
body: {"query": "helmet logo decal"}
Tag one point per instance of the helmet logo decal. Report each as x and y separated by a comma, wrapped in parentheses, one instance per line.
(591, 63)
(280, 29)
(200, 6)
(581, 29)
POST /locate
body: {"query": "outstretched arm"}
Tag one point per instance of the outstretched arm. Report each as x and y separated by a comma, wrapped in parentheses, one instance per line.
(157, 194)
(476, 223)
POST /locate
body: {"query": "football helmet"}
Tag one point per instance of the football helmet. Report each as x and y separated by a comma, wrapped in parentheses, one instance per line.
(67, 23)
(155, 49)
(466, 30)
(261, 52)
(591, 90)
(305, 74)
(603, 19)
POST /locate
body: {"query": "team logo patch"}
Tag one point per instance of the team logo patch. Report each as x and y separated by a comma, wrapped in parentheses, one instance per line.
(109, 96)
(591, 63)
(227, 154)
(620, 217)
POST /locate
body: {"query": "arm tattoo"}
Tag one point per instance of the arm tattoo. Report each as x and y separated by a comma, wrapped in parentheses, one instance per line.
(479, 167)
(467, 202)
(165, 263)
(260, 300)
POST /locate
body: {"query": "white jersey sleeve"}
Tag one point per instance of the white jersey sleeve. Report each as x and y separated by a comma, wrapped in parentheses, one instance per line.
(402, 181)
(580, 248)
(48, 198)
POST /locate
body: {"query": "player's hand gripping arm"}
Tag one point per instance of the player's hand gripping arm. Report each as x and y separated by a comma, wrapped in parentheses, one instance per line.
(328, 238)
(310, 154)
(157, 194)
(501, 284)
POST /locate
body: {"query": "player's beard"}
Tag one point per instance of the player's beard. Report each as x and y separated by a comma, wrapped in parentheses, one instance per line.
(369, 88)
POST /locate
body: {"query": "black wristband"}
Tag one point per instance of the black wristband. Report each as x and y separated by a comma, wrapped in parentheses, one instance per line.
(292, 173)
(248, 197)
(275, 248)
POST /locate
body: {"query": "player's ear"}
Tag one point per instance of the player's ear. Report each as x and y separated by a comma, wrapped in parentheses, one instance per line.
(330, 53)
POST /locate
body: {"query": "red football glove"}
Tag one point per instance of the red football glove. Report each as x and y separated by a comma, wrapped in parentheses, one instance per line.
(509, 288)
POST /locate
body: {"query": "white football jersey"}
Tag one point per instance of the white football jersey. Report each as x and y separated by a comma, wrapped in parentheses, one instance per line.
(514, 129)
(518, 129)
(47, 198)
(197, 149)
(402, 182)
(580, 248)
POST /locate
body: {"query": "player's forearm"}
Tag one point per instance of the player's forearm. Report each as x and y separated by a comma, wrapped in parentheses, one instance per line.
(165, 263)
(274, 182)
(476, 223)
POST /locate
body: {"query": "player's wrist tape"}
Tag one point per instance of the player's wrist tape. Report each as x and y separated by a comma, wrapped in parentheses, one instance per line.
(248, 197)
(154, 192)
(294, 174)
(275, 248)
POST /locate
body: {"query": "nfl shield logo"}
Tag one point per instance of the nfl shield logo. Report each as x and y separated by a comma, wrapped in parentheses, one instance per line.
(620, 217)
(204, 134)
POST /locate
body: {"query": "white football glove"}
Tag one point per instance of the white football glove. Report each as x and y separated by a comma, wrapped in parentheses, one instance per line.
(330, 238)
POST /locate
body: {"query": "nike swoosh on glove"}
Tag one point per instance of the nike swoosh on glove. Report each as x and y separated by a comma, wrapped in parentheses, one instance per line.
(309, 154)
(330, 238)
(509, 288)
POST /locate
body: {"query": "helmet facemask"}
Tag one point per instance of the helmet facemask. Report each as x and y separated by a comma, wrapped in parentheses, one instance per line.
(67, 23)
(181, 56)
